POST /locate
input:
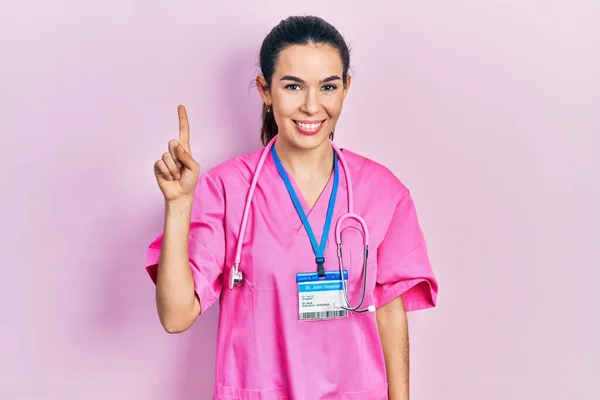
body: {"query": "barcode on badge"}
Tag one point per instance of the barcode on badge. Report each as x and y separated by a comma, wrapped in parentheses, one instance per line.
(323, 314)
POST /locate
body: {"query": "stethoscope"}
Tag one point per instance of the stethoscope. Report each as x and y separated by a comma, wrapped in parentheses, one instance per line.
(236, 276)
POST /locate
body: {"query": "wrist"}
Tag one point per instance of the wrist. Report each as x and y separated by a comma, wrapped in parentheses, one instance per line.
(181, 206)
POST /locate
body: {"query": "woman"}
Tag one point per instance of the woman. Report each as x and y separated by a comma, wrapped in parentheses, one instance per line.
(279, 337)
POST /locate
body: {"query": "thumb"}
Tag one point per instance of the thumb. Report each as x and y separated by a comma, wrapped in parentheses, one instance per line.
(186, 158)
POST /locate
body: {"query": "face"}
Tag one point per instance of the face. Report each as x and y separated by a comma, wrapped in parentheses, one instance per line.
(306, 94)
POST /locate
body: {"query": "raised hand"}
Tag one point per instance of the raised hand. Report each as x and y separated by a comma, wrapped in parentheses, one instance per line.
(177, 172)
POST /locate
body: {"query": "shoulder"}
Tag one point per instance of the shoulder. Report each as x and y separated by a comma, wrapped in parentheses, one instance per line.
(235, 172)
(372, 176)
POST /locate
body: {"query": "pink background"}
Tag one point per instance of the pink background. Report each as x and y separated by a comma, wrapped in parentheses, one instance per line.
(487, 110)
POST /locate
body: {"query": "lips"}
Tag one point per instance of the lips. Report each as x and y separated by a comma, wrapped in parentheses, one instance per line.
(309, 127)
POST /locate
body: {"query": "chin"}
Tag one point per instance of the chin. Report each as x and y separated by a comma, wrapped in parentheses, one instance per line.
(309, 142)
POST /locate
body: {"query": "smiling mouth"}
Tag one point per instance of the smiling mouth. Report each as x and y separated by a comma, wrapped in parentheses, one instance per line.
(309, 126)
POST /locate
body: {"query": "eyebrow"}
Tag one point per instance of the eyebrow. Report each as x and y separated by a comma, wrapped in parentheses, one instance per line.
(298, 80)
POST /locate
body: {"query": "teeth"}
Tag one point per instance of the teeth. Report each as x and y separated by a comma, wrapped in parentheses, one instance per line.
(310, 127)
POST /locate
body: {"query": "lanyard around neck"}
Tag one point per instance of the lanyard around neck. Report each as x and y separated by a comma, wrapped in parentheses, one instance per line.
(318, 249)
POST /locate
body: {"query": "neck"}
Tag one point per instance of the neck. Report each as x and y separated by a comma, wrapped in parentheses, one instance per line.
(305, 165)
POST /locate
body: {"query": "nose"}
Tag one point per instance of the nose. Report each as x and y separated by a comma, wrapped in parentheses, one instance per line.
(311, 104)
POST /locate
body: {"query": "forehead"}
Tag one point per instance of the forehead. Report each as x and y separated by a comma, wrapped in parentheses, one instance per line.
(310, 61)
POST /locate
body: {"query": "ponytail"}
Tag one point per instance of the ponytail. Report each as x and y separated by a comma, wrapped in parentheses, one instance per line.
(269, 127)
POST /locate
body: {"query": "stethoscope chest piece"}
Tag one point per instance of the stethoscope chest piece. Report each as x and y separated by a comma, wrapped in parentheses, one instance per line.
(235, 277)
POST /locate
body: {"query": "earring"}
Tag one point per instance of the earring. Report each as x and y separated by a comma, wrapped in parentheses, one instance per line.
(268, 108)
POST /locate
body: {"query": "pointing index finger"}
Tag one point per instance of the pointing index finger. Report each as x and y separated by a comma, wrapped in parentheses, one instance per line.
(184, 128)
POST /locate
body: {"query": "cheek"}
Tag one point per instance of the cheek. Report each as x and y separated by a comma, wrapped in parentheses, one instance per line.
(285, 104)
(333, 106)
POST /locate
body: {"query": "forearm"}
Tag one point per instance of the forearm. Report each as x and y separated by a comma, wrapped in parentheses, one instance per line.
(176, 300)
(393, 330)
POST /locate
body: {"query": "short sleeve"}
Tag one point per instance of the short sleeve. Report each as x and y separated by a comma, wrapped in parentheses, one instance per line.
(403, 265)
(206, 242)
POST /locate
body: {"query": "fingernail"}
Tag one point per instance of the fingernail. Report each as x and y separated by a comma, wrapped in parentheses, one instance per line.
(178, 176)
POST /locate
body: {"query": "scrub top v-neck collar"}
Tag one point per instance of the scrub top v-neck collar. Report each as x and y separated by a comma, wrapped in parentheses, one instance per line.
(315, 215)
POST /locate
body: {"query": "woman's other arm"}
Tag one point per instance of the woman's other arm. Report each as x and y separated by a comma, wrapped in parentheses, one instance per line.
(393, 330)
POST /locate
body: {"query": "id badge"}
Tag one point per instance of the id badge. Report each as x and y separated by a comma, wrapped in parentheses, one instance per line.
(320, 298)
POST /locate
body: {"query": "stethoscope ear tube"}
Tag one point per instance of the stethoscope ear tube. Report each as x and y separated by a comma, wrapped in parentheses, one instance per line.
(349, 307)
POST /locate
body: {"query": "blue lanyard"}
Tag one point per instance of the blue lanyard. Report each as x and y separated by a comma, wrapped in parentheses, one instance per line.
(319, 250)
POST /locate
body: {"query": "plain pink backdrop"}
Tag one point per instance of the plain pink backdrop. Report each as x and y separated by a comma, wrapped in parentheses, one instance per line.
(487, 110)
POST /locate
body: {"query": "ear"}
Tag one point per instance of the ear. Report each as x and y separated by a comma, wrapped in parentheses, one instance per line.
(347, 86)
(263, 89)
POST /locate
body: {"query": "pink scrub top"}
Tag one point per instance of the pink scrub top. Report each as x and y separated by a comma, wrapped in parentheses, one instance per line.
(264, 351)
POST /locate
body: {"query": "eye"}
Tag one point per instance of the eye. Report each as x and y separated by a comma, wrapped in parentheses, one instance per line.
(329, 88)
(292, 86)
